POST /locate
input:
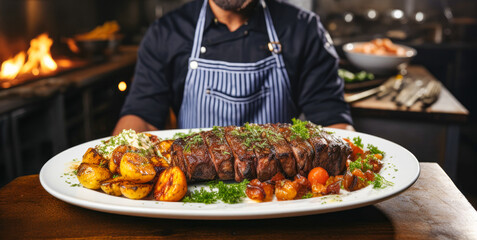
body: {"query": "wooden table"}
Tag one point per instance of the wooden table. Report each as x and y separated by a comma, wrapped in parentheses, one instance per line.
(432, 208)
(432, 133)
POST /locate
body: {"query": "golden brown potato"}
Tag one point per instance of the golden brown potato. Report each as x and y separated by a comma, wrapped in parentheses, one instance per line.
(92, 156)
(91, 175)
(135, 190)
(112, 186)
(164, 146)
(164, 149)
(136, 168)
(117, 155)
(160, 164)
(171, 185)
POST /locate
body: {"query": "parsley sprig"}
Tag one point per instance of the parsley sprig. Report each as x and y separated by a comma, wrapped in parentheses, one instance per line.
(219, 191)
(299, 129)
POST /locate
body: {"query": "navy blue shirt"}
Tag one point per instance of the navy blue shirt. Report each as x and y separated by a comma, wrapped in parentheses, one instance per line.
(310, 60)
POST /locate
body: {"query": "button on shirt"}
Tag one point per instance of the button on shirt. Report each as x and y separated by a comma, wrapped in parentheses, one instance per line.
(310, 60)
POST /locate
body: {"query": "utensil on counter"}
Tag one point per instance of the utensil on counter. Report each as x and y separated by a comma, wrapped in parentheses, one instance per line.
(409, 91)
(432, 94)
(384, 88)
(394, 87)
(425, 91)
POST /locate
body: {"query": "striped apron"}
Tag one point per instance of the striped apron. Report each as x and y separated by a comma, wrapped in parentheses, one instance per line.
(219, 93)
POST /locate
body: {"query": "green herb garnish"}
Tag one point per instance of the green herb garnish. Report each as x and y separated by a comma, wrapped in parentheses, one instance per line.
(227, 193)
(253, 136)
(374, 150)
(358, 142)
(380, 182)
(182, 135)
(218, 131)
(201, 196)
(299, 129)
(193, 140)
(307, 195)
(356, 164)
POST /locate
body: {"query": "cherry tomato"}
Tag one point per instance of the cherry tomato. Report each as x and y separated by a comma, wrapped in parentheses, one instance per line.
(318, 175)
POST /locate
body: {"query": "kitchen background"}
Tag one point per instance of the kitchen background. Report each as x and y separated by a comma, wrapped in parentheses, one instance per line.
(37, 124)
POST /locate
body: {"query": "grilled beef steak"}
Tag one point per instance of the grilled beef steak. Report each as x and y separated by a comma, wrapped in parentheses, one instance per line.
(283, 152)
(258, 151)
(220, 153)
(301, 149)
(244, 157)
(194, 154)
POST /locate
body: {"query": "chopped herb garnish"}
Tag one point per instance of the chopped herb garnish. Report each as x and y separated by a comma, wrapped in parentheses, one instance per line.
(357, 142)
(129, 138)
(374, 150)
(227, 193)
(253, 136)
(182, 135)
(299, 129)
(307, 195)
(380, 182)
(201, 196)
(218, 131)
(192, 141)
(356, 164)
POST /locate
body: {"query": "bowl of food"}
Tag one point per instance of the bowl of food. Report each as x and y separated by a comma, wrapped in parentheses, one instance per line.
(100, 41)
(379, 56)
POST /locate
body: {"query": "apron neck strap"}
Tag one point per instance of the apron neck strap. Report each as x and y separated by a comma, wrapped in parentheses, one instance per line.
(274, 43)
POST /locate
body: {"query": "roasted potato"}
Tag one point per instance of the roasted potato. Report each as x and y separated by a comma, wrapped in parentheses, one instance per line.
(160, 164)
(164, 149)
(91, 175)
(171, 185)
(136, 168)
(117, 155)
(135, 190)
(112, 186)
(164, 146)
(92, 156)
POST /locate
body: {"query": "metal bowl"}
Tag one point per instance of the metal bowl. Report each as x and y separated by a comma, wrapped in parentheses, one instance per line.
(377, 64)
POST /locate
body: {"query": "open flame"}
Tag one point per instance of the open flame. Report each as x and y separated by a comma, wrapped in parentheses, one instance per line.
(39, 59)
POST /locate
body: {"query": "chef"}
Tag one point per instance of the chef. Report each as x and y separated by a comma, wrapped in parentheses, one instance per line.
(228, 62)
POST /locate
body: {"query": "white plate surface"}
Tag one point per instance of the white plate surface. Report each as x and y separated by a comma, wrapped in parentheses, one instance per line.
(400, 167)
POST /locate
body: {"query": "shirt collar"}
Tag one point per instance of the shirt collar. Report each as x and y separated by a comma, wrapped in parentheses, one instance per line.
(255, 22)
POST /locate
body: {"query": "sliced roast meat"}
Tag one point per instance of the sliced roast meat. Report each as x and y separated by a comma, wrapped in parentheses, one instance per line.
(244, 156)
(220, 153)
(267, 164)
(196, 159)
(258, 151)
(302, 150)
(283, 151)
(333, 151)
(177, 156)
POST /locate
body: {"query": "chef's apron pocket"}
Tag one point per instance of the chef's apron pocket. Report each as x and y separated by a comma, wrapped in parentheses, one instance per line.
(246, 99)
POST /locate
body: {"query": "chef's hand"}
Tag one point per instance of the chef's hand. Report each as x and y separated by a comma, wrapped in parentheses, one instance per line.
(132, 122)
